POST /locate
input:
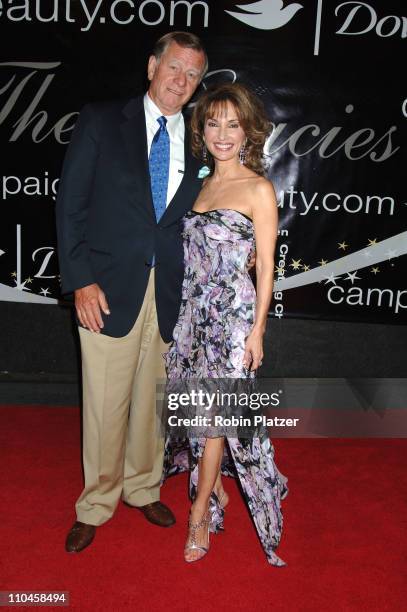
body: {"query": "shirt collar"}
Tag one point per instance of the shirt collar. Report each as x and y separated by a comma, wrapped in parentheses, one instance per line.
(153, 112)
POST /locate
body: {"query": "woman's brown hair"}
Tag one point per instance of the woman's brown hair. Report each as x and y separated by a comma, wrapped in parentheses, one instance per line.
(250, 112)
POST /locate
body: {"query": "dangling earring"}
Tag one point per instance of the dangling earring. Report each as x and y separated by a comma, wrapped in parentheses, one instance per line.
(204, 154)
(242, 153)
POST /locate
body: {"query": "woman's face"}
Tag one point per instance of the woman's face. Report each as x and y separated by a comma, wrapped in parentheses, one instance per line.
(223, 134)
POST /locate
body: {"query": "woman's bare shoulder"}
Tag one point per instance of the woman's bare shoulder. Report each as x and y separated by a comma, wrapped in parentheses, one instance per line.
(262, 191)
(264, 186)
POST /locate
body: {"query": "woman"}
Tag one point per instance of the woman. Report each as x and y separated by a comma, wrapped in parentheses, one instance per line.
(219, 333)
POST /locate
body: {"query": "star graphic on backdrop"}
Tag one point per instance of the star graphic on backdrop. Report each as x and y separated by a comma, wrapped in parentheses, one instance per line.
(296, 264)
(323, 262)
(342, 245)
(2, 252)
(352, 277)
(44, 291)
(29, 280)
(305, 268)
(391, 253)
(279, 270)
(372, 242)
(21, 286)
(375, 270)
(14, 274)
(331, 278)
(367, 254)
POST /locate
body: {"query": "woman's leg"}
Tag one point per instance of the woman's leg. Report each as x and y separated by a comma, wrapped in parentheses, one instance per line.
(209, 466)
(221, 494)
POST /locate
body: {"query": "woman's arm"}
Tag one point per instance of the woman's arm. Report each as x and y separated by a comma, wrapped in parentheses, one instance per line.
(265, 219)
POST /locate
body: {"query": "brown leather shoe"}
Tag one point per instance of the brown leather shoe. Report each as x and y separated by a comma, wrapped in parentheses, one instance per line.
(79, 537)
(158, 514)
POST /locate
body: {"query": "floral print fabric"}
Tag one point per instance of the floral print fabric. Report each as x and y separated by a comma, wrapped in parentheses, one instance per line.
(216, 315)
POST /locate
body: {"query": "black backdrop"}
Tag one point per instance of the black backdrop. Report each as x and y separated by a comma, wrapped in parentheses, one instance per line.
(331, 76)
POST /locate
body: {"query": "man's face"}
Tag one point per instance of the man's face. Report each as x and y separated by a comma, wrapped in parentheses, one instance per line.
(175, 77)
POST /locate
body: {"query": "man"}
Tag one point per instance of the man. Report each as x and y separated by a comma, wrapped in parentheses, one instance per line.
(128, 178)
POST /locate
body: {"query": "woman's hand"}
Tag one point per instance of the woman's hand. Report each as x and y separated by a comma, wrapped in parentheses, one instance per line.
(253, 353)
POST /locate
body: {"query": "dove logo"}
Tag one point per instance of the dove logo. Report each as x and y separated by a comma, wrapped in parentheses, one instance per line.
(365, 15)
(266, 14)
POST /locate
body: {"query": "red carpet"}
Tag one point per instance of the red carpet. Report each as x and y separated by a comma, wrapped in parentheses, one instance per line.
(345, 537)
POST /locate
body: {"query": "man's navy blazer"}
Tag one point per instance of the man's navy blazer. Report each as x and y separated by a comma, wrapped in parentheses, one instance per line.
(107, 230)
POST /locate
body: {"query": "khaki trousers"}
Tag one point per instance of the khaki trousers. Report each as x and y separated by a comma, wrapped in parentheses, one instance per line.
(122, 449)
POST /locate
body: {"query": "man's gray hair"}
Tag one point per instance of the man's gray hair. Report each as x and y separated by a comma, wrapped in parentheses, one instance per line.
(187, 40)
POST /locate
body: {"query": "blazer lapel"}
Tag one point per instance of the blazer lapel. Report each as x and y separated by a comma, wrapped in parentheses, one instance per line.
(184, 197)
(133, 130)
(134, 134)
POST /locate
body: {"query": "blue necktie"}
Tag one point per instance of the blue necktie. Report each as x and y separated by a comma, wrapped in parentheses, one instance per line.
(159, 164)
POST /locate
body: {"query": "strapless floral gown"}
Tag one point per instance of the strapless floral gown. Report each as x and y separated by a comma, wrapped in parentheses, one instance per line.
(216, 315)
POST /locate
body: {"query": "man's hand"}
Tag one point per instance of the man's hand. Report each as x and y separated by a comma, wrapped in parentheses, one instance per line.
(88, 302)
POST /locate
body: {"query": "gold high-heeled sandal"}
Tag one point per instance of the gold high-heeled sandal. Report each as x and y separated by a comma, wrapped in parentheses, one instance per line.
(191, 541)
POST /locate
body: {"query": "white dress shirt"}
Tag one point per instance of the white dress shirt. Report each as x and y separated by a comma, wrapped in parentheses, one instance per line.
(176, 132)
